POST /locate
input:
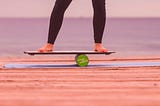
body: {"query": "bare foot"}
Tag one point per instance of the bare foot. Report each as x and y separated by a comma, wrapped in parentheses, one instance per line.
(99, 48)
(46, 48)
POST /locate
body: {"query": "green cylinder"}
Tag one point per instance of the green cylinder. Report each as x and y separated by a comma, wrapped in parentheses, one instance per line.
(82, 60)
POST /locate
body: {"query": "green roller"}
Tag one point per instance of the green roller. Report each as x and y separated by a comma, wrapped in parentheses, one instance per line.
(82, 60)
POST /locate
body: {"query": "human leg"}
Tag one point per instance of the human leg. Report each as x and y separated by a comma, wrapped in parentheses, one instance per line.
(56, 20)
(99, 20)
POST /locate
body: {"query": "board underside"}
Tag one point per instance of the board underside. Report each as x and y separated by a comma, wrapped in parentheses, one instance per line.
(66, 52)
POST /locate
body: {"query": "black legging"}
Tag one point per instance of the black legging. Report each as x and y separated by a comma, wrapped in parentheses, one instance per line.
(58, 15)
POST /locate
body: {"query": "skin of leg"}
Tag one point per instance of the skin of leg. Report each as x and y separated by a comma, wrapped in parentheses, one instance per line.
(99, 20)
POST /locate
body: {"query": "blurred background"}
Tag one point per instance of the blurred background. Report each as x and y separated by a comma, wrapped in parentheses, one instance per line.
(79, 8)
(132, 27)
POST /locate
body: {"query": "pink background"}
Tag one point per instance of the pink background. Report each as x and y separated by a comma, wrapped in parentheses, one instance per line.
(80, 8)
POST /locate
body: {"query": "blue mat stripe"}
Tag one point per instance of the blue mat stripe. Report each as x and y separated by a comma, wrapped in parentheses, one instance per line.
(117, 64)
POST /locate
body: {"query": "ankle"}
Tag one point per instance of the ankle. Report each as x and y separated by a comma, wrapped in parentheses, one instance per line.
(49, 45)
(98, 44)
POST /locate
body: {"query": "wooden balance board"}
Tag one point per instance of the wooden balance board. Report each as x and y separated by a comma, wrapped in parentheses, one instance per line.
(81, 57)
